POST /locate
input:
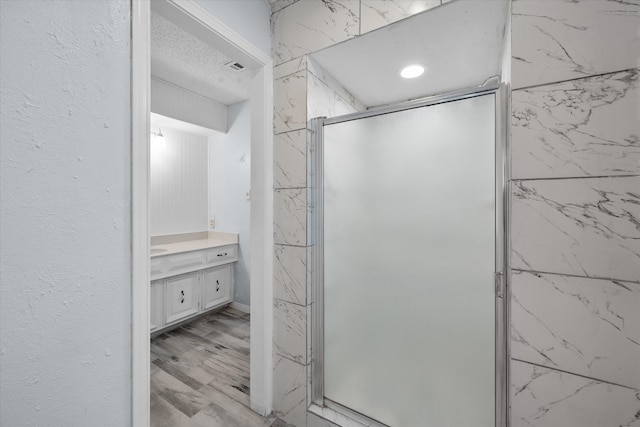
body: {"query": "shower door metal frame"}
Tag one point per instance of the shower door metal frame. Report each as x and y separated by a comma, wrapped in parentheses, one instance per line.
(315, 164)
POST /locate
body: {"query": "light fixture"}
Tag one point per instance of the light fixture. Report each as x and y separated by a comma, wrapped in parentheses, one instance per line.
(158, 135)
(412, 71)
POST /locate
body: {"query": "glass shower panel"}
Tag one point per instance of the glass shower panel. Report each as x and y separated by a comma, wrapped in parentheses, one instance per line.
(409, 256)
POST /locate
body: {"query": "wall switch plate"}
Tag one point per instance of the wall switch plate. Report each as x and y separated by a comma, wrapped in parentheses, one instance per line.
(212, 223)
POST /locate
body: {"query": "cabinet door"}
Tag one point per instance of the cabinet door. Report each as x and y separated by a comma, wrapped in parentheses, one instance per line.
(156, 305)
(182, 297)
(216, 286)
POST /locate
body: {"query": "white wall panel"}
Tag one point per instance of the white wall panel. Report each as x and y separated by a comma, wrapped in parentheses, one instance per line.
(179, 195)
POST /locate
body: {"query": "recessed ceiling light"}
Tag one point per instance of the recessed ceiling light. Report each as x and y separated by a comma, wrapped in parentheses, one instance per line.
(412, 71)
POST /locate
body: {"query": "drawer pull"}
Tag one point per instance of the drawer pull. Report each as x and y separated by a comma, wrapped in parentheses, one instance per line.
(182, 301)
(224, 254)
(217, 285)
(182, 292)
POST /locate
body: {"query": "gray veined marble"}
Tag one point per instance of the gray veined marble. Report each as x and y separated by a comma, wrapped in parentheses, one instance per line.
(289, 391)
(378, 13)
(589, 327)
(566, 39)
(326, 95)
(289, 95)
(276, 5)
(290, 217)
(321, 100)
(585, 127)
(290, 330)
(290, 159)
(307, 26)
(585, 227)
(542, 397)
(290, 67)
(290, 274)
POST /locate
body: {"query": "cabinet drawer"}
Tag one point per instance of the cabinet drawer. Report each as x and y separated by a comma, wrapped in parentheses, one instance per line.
(216, 286)
(221, 254)
(178, 263)
(182, 297)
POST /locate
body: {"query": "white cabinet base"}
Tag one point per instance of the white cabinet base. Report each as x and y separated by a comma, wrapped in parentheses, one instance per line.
(183, 296)
(216, 286)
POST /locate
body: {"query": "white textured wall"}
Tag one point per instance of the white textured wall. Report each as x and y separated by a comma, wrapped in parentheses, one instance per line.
(229, 180)
(65, 286)
(178, 197)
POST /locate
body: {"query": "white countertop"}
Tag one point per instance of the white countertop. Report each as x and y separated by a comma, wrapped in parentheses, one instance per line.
(214, 240)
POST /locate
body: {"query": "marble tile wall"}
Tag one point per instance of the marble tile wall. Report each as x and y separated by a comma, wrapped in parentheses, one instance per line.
(326, 96)
(589, 327)
(378, 13)
(290, 96)
(572, 39)
(307, 26)
(289, 391)
(549, 398)
(290, 154)
(585, 227)
(579, 128)
(575, 213)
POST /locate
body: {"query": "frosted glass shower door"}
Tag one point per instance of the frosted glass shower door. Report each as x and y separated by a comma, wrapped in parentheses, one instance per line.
(409, 261)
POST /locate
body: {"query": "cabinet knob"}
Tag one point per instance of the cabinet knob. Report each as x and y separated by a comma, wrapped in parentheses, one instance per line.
(182, 292)
(182, 301)
(217, 285)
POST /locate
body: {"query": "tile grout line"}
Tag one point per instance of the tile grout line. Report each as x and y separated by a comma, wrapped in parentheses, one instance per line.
(576, 177)
(294, 303)
(287, 131)
(572, 373)
(291, 360)
(610, 279)
(573, 79)
(275, 79)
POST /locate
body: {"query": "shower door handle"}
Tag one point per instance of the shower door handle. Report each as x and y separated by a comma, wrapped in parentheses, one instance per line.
(499, 282)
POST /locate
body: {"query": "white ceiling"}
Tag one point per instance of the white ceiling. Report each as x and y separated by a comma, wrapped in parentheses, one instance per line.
(180, 58)
(461, 43)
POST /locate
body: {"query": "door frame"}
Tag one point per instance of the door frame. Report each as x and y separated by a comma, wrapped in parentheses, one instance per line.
(261, 239)
(501, 91)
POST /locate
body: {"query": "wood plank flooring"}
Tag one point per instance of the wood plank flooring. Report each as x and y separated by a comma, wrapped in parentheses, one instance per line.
(200, 374)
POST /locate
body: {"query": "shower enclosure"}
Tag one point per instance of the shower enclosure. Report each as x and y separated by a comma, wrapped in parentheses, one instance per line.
(408, 228)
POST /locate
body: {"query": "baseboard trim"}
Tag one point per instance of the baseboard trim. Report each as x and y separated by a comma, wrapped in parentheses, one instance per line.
(241, 307)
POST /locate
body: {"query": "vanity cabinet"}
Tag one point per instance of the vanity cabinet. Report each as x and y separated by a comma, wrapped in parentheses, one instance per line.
(186, 284)
(216, 286)
(182, 297)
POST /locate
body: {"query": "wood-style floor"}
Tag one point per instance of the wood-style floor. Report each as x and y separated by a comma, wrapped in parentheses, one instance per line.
(200, 374)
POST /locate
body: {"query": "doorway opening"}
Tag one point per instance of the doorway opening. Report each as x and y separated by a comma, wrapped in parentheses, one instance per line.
(177, 271)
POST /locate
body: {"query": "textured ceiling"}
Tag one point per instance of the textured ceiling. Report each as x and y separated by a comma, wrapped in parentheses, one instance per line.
(182, 59)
